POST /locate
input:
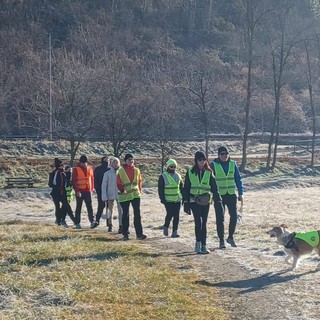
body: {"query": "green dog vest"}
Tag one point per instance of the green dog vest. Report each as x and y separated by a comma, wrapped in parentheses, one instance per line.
(311, 237)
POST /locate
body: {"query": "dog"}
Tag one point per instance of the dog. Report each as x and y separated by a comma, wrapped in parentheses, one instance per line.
(295, 244)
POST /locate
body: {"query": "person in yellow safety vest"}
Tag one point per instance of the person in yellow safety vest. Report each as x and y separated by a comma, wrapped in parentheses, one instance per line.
(228, 180)
(83, 185)
(199, 181)
(169, 190)
(129, 183)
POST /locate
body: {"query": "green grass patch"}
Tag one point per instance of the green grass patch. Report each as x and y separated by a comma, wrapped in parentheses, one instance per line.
(52, 273)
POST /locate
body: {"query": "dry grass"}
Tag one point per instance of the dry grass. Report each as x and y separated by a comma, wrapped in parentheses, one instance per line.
(52, 273)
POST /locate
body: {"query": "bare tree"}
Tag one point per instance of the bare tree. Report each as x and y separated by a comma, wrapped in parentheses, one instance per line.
(75, 99)
(123, 106)
(312, 75)
(198, 89)
(280, 50)
(253, 16)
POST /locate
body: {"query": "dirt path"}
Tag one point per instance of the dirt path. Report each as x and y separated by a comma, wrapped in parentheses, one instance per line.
(252, 280)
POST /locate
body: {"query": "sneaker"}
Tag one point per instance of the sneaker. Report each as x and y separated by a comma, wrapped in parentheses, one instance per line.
(94, 224)
(231, 242)
(78, 226)
(120, 230)
(110, 228)
(125, 237)
(175, 234)
(197, 248)
(204, 249)
(142, 237)
(165, 231)
(222, 245)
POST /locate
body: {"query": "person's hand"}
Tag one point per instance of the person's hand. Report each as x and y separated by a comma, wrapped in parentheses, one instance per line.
(78, 194)
(186, 208)
(240, 198)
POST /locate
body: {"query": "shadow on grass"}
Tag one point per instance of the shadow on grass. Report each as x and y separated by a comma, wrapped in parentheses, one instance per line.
(97, 257)
(258, 283)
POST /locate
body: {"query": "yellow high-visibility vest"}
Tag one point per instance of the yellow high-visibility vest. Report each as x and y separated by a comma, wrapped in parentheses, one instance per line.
(131, 188)
(172, 192)
(225, 182)
(197, 186)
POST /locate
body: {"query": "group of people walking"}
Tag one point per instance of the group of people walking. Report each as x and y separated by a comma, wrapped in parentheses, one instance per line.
(219, 182)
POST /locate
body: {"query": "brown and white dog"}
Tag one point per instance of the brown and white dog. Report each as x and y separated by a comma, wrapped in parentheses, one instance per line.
(295, 246)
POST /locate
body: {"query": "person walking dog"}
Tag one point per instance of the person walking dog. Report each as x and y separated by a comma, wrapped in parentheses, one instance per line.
(199, 188)
(228, 180)
(169, 189)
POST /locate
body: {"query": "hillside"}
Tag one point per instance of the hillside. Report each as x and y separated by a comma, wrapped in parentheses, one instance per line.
(122, 68)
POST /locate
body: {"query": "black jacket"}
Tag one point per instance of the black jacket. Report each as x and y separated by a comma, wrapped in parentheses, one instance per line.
(98, 176)
(58, 182)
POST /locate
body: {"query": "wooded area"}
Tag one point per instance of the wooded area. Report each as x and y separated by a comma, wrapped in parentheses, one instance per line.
(162, 69)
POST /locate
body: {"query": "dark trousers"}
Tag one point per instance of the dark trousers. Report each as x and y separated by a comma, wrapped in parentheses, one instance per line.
(62, 208)
(136, 216)
(173, 211)
(86, 197)
(101, 206)
(229, 201)
(200, 216)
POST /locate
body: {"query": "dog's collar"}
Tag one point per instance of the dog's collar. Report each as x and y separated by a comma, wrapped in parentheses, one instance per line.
(291, 244)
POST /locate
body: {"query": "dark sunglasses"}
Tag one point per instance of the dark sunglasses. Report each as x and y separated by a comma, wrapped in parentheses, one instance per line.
(202, 159)
(172, 167)
(224, 153)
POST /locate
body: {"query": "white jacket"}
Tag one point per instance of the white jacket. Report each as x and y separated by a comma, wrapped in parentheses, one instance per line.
(109, 190)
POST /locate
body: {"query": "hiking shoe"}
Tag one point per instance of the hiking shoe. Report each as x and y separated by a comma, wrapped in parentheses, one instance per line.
(63, 224)
(142, 237)
(204, 249)
(125, 237)
(175, 234)
(110, 228)
(197, 248)
(78, 226)
(231, 242)
(94, 224)
(222, 245)
(165, 231)
(120, 230)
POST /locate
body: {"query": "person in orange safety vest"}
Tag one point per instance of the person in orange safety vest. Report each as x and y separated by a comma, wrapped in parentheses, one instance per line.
(83, 185)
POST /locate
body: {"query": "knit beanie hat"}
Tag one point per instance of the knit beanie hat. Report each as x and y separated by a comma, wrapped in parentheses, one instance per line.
(83, 159)
(199, 155)
(222, 149)
(128, 156)
(171, 162)
(57, 162)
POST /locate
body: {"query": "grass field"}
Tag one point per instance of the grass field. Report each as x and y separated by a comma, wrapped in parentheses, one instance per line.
(52, 273)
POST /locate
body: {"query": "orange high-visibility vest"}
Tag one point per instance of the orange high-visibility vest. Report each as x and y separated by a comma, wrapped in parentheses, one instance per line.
(84, 182)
